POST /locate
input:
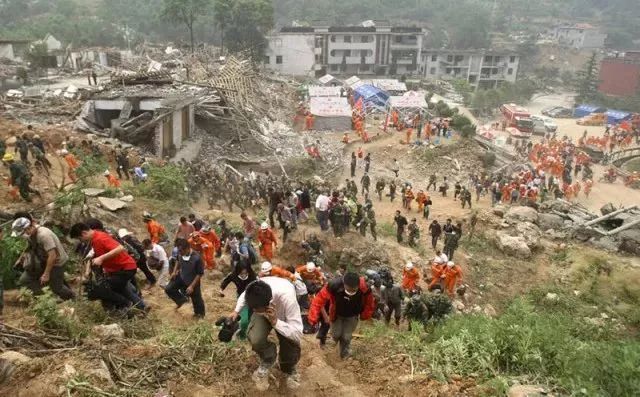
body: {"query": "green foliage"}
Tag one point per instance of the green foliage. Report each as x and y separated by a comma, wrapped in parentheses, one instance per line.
(45, 308)
(486, 101)
(463, 88)
(443, 110)
(11, 248)
(248, 22)
(185, 12)
(586, 82)
(90, 166)
(543, 345)
(167, 182)
(428, 308)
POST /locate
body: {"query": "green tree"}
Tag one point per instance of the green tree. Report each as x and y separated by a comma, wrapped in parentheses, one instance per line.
(586, 83)
(223, 11)
(250, 21)
(185, 12)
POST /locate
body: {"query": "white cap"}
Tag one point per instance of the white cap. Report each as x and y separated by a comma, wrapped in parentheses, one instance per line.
(438, 260)
(106, 173)
(409, 266)
(64, 152)
(311, 266)
(450, 264)
(264, 226)
(266, 267)
(123, 233)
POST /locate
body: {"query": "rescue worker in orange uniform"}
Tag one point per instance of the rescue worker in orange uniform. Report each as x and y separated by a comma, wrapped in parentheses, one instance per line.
(72, 163)
(308, 121)
(112, 180)
(421, 199)
(205, 248)
(310, 272)
(267, 269)
(208, 233)
(410, 277)
(267, 240)
(437, 274)
(409, 133)
(156, 230)
(452, 277)
(409, 196)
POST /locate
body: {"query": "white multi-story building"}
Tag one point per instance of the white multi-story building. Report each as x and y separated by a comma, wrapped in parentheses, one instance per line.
(375, 49)
(579, 36)
(481, 68)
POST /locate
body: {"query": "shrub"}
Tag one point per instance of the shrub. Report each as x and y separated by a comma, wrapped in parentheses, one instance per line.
(164, 183)
(11, 248)
(488, 159)
(45, 308)
(468, 131)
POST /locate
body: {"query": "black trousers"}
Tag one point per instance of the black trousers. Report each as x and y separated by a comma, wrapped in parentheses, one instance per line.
(142, 265)
(399, 234)
(434, 241)
(118, 293)
(177, 291)
(122, 170)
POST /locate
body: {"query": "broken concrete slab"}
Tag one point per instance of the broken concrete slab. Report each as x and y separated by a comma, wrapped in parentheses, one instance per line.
(93, 192)
(112, 204)
(521, 213)
(515, 246)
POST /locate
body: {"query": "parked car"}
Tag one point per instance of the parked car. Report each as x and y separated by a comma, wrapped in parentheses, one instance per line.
(547, 111)
(543, 125)
(561, 113)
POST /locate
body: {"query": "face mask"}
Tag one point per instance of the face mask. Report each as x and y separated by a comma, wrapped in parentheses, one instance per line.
(350, 293)
(186, 257)
(241, 277)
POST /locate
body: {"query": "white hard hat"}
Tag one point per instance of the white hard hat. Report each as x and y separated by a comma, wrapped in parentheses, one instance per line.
(123, 233)
(106, 173)
(438, 260)
(266, 267)
(64, 152)
(450, 264)
(311, 266)
(264, 226)
(409, 266)
(19, 226)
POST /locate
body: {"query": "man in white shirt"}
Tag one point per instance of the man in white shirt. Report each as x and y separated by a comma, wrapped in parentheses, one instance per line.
(322, 211)
(275, 306)
(157, 259)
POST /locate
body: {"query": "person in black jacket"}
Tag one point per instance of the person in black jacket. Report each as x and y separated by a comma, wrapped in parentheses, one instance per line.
(401, 222)
(241, 277)
(435, 230)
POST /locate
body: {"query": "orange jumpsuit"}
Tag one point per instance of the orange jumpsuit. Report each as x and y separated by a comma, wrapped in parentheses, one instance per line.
(308, 122)
(72, 163)
(267, 241)
(113, 181)
(452, 277)
(155, 230)
(408, 195)
(437, 273)
(421, 199)
(315, 276)
(277, 271)
(215, 241)
(205, 248)
(409, 133)
(410, 279)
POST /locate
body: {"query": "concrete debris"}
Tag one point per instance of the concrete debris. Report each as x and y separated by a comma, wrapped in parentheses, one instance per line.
(513, 245)
(93, 192)
(526, 391)
(108, 331)
(550, 222)
(112, 204)
(521, 214)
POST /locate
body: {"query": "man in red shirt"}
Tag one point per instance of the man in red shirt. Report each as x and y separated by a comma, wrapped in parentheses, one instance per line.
(118, 267)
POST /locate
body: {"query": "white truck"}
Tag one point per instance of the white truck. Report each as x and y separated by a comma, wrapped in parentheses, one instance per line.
(543, 125)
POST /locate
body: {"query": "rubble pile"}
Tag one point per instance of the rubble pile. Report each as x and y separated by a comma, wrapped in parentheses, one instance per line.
(523, 227)
(455, 161)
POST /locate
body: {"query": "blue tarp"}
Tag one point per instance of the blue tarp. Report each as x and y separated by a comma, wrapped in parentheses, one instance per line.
(585, 110)
(617, 116)
(371, 96)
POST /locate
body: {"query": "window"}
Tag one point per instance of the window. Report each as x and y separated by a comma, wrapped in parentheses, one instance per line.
(449, 58)
(333, 38)
(346, 53)
(347, 39)
(449, 70)
(267, 59)
(494, 71)
(366, 39)
(434, 58)
(412, 37)
(459, 58)
(496, 59)
(318, 58)
(333, 53)
(278, 59)
(510, 71)
(512, 59)
(365, 68)
(432, 71)
(397, 39)
(487, 58)
(334, 68)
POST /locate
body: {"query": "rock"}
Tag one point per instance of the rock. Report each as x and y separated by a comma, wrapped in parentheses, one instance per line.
(551, 296)
(499, 210)
(530, 233)
(525, 391)
(515, 246)
(458, 305)
(112, 204)
(6, 370)
(607, 209)
(15, 358)
(489, 311)
(605, 243)
(108, 331)
(521, 214)
(419, 377)
(69, 371)
(550, 221)
(127, 199)
(102, 373)
(477, 309)
(93, 192)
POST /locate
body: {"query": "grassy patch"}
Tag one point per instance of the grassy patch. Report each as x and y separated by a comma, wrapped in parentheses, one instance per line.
(386, 229)
(52, 318)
